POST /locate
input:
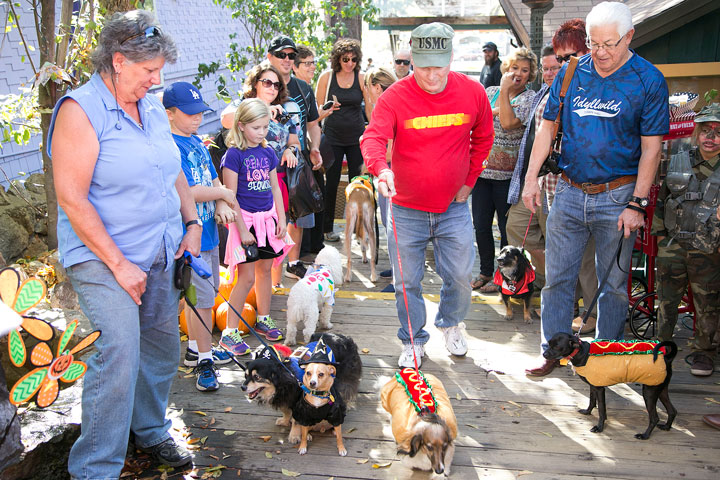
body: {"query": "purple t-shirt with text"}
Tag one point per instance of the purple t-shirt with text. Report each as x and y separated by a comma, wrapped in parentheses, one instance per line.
(253, 166)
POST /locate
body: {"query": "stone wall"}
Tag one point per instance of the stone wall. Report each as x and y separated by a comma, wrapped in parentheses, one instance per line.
(23, 222)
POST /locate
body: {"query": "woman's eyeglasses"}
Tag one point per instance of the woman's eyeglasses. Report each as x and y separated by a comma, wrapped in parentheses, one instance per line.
(283, 55)
(308, 63)
(350, 59)
(565, 58)
(148, 33)
(269, 84)
(399, 61)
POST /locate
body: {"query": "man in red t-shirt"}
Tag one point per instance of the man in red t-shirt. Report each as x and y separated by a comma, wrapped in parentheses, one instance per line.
(441, 126)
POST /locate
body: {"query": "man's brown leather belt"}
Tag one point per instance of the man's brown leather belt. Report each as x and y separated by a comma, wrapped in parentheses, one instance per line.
(592, 188)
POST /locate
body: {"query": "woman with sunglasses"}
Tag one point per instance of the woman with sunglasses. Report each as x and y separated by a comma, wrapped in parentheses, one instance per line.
(346, 125)
(265, 82)
(123, 201)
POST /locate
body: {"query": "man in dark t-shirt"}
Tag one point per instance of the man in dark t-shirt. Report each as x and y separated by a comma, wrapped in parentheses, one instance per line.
(490, 75)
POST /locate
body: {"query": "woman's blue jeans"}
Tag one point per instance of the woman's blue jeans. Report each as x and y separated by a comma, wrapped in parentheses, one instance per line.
(128, 380)
(451, 234)
(575, 216)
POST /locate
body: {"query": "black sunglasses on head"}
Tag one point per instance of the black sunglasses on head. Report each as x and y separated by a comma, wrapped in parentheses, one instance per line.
(565, 58)
(283, 55)
(149, 32)
(399, 61)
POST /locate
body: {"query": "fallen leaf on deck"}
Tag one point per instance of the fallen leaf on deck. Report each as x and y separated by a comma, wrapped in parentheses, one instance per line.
(268, 455)
(472, 426)
(524, 472)
(228, 409)
(350, 430)
(360, 297)
(229, 432)
(225, 455)
(214, 456)
(365, 350)
(290, 473)
(183, 338)
(547, 434)
(514, 403)
(212, 421)
(239, 472)
(203, 440)
(189, 375)
(709, 399)
(457, 395)
(265, 438)
(193, 441)
(382, 465)
(200, 413)
(363, 460)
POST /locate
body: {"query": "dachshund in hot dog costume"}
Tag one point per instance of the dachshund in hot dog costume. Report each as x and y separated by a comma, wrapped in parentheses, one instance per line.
(603, 363)
(424, 425)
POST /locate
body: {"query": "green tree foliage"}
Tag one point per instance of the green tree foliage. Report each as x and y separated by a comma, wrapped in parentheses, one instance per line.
(299, 19)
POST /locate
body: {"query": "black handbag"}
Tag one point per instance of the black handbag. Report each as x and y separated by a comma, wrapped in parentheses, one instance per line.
(550, 165)
(304, 194)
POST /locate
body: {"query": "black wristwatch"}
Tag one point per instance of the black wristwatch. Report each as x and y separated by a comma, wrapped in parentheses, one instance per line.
(643, 202)
(193, 222)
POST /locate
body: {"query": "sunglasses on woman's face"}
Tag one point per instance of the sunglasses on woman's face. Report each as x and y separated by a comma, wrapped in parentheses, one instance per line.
(400, 61)
(267, 83)
(565, 58)
(350, 59)
(283, 55)
(148, 32)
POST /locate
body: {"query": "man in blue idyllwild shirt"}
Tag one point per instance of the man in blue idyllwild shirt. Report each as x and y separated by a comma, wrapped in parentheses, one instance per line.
(614, 116)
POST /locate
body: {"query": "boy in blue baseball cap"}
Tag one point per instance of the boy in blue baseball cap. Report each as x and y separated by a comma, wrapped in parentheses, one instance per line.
(184, 107)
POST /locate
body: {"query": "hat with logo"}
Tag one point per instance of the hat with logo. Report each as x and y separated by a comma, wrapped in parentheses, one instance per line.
(186, 97)
(280, 42)
(490, 46)
(709, 113)
(432, 45)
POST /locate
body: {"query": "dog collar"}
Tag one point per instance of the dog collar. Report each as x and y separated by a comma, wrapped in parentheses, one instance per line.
(318, 393)
(575, 352)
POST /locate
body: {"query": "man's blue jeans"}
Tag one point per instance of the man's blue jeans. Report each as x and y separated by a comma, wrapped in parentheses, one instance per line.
(128, 380)
(451, 234)
(575, 216)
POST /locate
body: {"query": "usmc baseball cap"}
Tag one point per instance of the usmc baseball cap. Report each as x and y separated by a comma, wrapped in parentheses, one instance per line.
(709, 113)
(186, 97)
(432, 45)
(280, 42)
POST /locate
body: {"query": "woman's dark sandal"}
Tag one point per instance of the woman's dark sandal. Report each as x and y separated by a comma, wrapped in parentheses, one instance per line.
(479, 282)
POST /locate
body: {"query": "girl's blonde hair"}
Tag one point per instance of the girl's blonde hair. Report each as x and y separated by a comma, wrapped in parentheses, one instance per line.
(518, 54)
(380, 76)
(248, 111)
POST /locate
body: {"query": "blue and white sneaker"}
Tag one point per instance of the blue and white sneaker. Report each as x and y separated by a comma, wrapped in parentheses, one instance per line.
(206, 374)
(220, 357)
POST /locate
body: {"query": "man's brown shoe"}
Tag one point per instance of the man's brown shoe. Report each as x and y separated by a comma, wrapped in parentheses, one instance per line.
(544, 369)
(712, 420)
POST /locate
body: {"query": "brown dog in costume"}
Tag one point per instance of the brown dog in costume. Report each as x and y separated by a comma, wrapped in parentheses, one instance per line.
(603, 363)
(360, 220)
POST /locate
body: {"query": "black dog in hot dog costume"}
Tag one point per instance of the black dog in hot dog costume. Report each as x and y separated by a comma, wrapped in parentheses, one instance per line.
(603, 363)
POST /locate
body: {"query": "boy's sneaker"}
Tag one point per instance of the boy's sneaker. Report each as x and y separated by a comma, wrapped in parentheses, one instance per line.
(206, 376)
(297, 271)
(455, 340)
(219, 356)
(268, 329)
(406, 357)
(702, 365)
(234, 343)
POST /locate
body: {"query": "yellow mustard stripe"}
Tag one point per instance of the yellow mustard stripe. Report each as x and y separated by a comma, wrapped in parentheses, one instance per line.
(432, 297)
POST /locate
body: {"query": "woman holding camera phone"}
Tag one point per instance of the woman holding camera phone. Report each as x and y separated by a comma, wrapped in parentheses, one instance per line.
(346, 85)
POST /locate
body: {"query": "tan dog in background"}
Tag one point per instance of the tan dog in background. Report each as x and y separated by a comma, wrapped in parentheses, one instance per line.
(425, 441)
(360, 220)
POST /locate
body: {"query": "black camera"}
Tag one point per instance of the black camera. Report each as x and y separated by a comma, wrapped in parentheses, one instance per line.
(284, 117)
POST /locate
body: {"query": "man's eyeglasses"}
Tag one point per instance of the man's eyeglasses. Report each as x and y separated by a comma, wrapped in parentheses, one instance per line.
(400, 61)
(350, 59)
(551, 69)
(283, 55)
(148, 33)
(267, 83)
(565, 58)
(308, 63)
(608, 47)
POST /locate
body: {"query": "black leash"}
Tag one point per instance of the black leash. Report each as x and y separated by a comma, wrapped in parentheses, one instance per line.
(603, 282)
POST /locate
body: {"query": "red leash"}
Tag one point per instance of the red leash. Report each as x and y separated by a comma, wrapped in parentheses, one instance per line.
(522, 247)
(402, 280)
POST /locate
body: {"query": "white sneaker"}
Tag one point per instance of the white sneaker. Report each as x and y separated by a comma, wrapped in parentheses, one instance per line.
(455, 340)
(406, 357)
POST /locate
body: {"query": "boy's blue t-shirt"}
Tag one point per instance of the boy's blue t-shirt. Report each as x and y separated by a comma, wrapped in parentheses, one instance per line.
(199, 170)
(604, 118)
(253, 166)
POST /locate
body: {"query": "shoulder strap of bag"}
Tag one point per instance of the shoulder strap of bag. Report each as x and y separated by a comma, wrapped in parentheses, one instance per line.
(563, 91)
(327, 88)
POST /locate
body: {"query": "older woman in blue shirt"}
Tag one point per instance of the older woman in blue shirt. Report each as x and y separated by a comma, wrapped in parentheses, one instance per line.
(123, 200)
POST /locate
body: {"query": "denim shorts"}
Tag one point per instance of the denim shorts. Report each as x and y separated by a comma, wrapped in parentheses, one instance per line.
(308, 221)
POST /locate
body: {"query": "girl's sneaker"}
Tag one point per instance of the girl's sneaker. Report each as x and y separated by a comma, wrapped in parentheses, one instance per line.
(234, 343)
(267, 328)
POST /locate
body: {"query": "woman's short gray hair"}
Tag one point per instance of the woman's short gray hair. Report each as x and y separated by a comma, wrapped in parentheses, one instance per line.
(610, 13)
(125, 33)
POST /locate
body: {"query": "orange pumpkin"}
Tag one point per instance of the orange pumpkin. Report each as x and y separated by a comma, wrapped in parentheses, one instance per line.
(251, 298)
(248, 313)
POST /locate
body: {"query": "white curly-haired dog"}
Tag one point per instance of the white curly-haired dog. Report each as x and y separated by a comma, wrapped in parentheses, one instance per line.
(312, 297)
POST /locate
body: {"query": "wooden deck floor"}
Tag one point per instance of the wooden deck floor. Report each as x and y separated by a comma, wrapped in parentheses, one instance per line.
(510, 426)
